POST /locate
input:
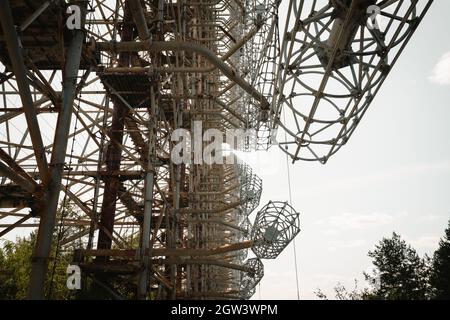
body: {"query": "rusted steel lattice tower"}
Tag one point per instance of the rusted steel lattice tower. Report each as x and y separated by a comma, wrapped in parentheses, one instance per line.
(93, 95)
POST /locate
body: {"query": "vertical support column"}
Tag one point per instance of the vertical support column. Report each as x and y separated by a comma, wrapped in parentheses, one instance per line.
(114, 152)
(175, 230)
(112, 182)
(141, 24)
(149, 183)
(176, 176)
(48, 215)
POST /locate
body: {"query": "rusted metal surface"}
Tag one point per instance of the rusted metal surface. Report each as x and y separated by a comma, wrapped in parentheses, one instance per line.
(146, 69)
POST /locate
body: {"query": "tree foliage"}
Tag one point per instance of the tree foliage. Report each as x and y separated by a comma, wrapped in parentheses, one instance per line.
(15, 268)
(400, 273)
(15, 264)
(440, 278)
(342, 293)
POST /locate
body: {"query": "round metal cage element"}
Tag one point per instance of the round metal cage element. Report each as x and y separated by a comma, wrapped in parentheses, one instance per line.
(245, 229)
(251, 278)
(276, 224)
(242, 255)
(250, 188)
(335, 57)
(262, 53)
(246, 295)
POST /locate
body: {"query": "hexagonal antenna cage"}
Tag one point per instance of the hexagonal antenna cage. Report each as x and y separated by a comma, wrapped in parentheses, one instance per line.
(251, 278)
(245, 229)
(246, 295)
(242, 255)
(276, 224)
(250, 188)
(246, 225)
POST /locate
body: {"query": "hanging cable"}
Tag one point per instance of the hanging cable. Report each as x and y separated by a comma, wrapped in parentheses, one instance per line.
(290, 201)
(259, 290)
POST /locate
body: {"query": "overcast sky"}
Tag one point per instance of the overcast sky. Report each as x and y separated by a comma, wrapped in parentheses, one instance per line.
(393, 175)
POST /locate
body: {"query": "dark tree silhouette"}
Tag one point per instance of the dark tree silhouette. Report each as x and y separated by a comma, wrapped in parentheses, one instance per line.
(400, 273)
(440, 279)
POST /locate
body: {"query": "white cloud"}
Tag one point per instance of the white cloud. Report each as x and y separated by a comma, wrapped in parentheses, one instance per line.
(428, 242)
(354, 221)
(441, 72)
(336, 245)
(357, 243)
(429, 217)
(356, 182)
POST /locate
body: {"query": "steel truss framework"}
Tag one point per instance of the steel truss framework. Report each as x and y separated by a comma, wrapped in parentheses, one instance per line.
(334, 58)
(86, 118)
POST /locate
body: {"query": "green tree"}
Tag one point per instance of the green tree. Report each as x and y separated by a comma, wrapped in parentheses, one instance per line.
(400, 272)
(15, 264)
(342, 293)
(440, 278)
